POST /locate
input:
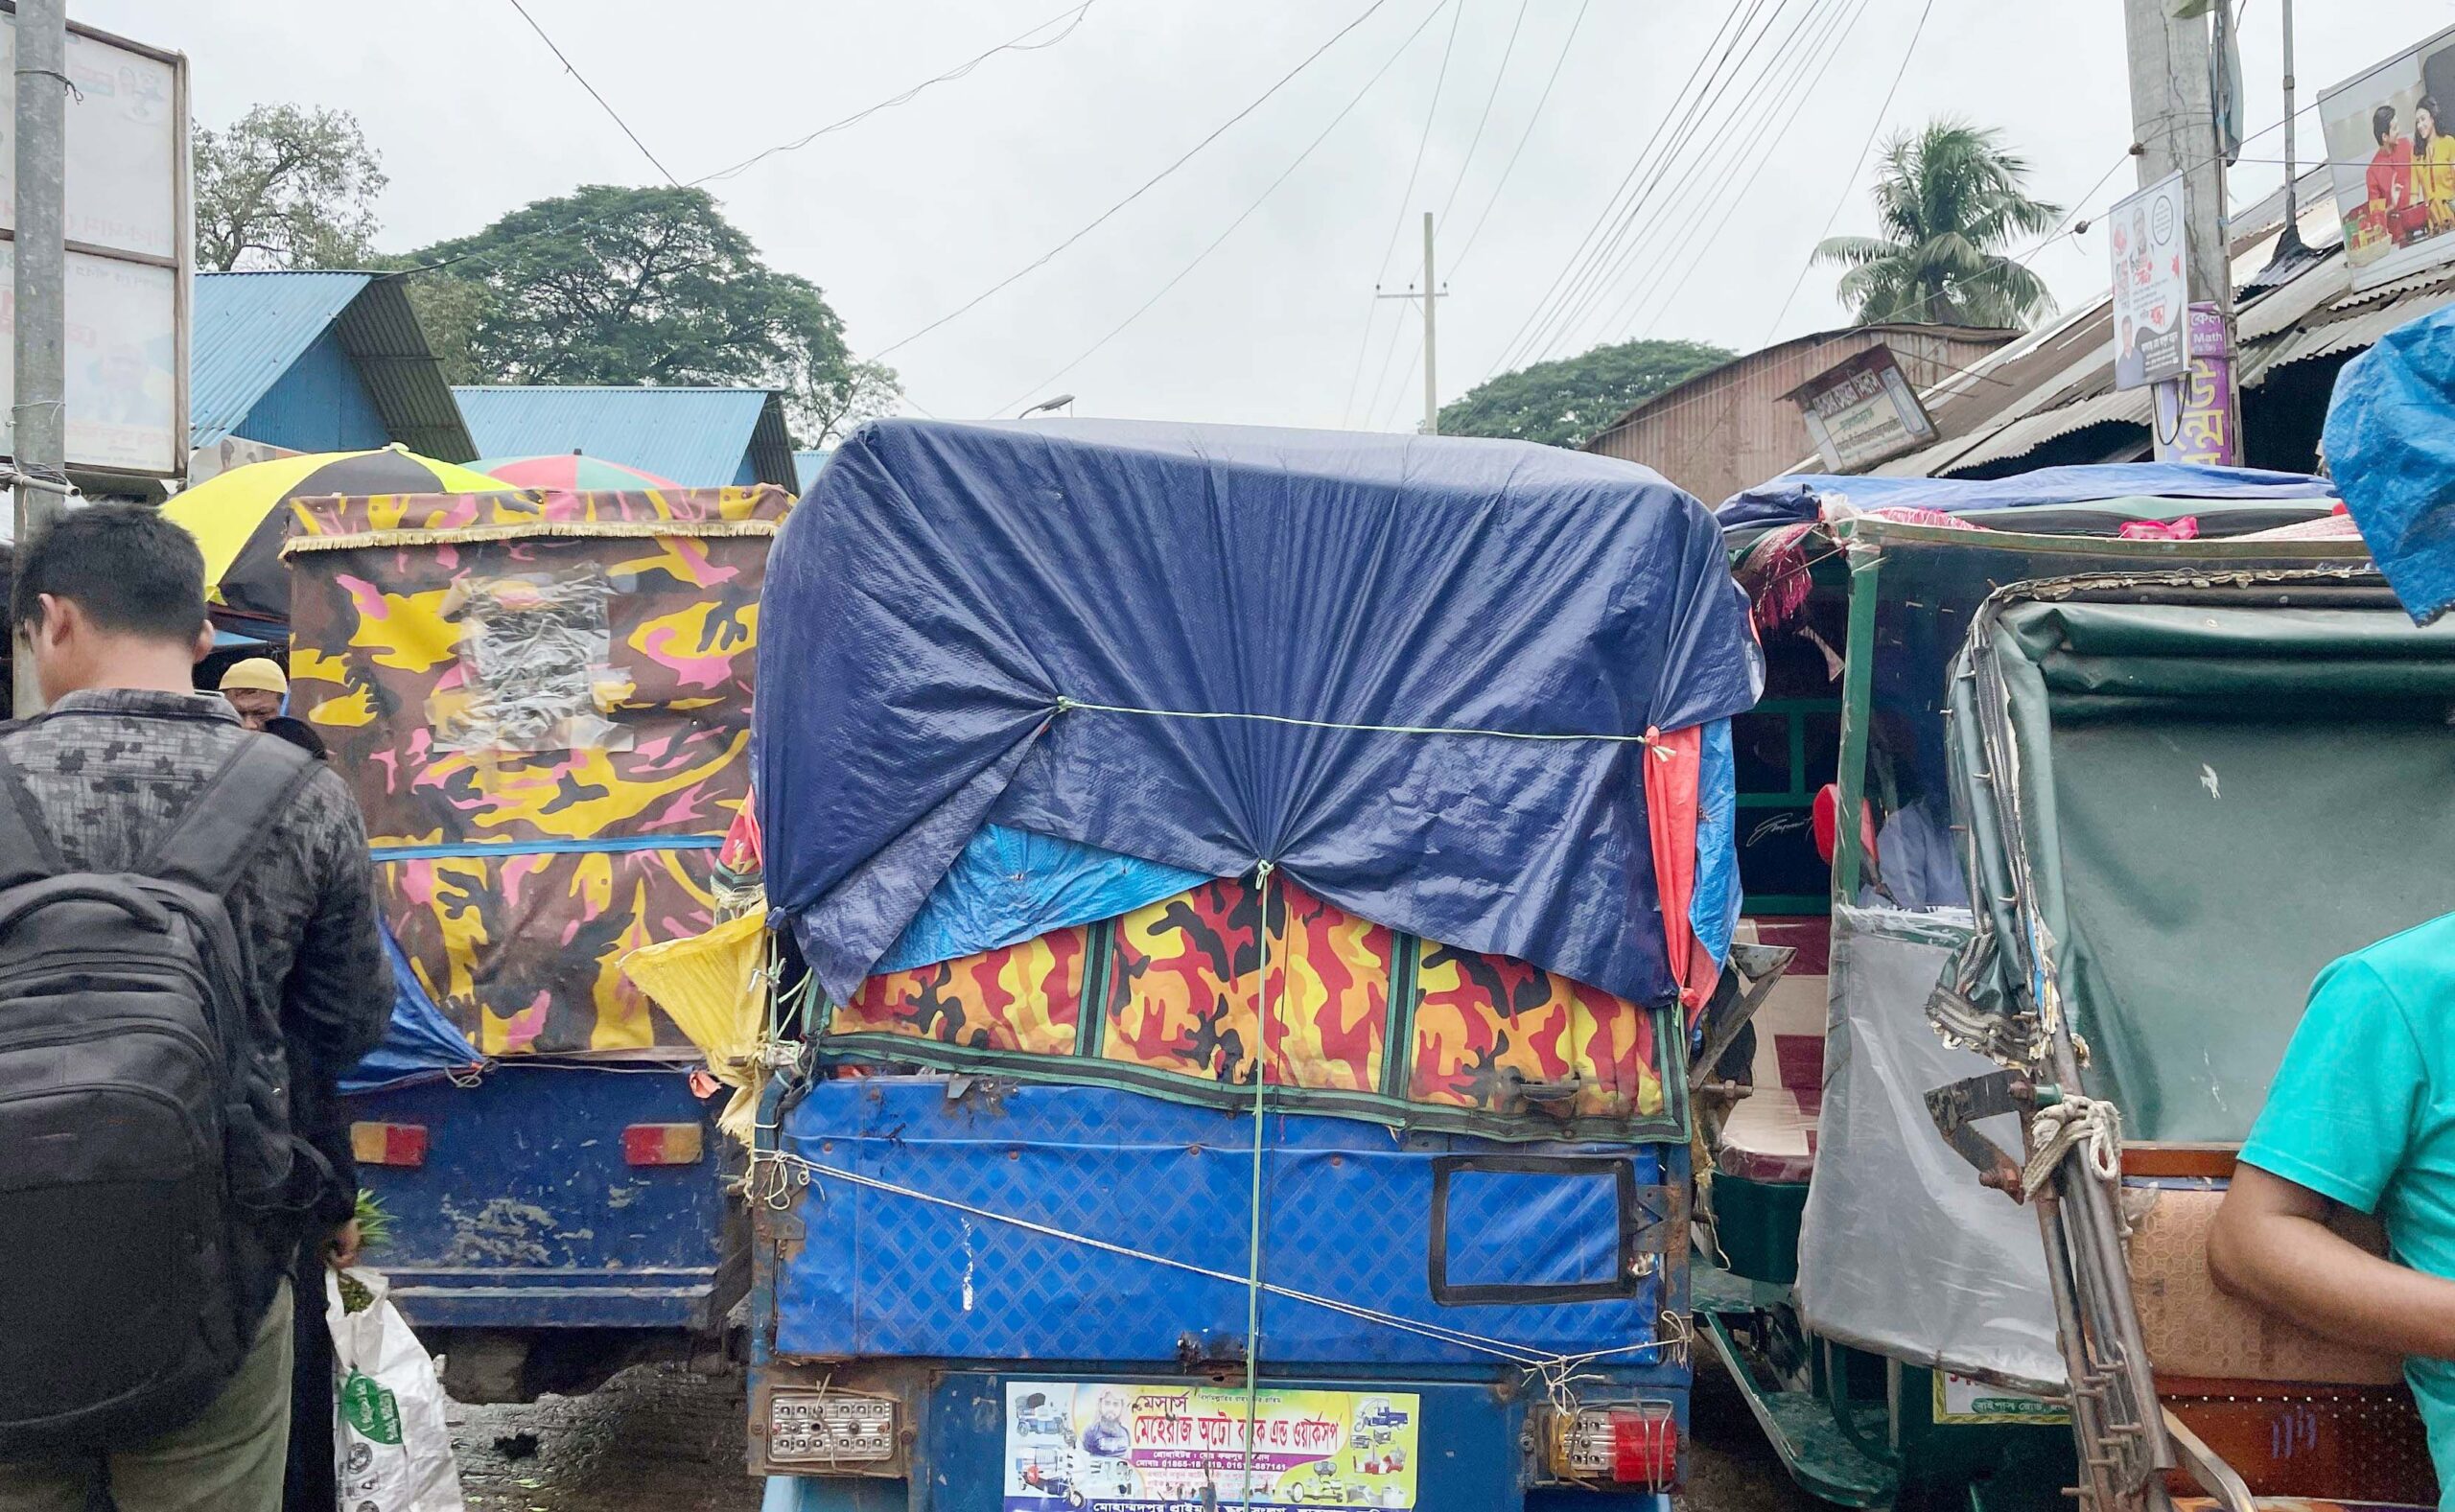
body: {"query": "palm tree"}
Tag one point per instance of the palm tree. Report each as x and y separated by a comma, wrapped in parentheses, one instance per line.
(1950, 198)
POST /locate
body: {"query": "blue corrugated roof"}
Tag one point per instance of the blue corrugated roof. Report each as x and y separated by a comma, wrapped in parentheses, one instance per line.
(252, 329)
(805, 466)
(698, 438)
(249, 329)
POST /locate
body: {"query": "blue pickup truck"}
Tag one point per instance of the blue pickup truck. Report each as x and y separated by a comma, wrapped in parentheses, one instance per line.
(1257, 892)
(541, 701)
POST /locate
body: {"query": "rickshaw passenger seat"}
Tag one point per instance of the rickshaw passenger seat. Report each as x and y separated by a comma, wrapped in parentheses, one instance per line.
(1771, 1133)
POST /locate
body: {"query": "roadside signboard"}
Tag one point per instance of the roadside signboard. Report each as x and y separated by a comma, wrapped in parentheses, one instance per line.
(129, 254)
(2151, 291)
(2392, 159)
(1863, 412)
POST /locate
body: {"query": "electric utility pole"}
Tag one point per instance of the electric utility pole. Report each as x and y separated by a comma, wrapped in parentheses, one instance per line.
(1431, 371)
(37, 418)
(2174, 128)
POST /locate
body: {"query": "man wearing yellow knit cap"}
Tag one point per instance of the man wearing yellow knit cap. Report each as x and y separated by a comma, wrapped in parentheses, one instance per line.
(255, 688)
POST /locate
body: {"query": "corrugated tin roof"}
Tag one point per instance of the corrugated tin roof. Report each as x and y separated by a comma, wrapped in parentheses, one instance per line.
(805, 466)
(247, 328)
(2031, 431)
(695, 436)
(250, 328)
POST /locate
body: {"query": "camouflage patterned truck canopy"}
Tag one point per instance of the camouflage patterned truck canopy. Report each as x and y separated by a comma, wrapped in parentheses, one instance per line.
(542, 700)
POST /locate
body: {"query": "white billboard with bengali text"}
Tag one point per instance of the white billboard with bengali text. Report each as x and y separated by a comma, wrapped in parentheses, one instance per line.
(129, 253)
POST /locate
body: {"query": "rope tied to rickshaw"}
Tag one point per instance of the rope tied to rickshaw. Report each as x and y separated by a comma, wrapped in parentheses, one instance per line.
(2093, 1124)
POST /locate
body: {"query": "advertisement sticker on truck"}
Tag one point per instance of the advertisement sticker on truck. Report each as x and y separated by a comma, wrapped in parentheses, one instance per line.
(1128, 1446)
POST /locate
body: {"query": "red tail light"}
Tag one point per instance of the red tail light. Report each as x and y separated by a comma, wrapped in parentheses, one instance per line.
(1644, 1448)
(1628, 1444)
(663, 1144)
(387, 1144)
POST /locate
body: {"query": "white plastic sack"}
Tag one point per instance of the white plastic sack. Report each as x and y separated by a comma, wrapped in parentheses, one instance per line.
(391, 1449)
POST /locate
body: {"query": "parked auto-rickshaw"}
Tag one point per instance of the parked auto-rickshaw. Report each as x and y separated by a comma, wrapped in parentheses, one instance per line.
(1886, 1318)
(2186, 794)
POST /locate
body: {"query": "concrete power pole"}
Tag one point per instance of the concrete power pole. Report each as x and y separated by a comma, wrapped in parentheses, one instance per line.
(1431, 302)
(2174, 129)
(2172, 120)
(38, 417)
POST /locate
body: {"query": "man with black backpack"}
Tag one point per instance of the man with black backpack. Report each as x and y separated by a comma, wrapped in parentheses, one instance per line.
(189, 959)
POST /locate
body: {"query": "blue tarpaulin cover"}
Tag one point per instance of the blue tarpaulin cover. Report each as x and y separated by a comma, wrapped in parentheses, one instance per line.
(1351, 1214)
(2391, 443)
(418, 1042)
(1792, 498)
(1011, 885)
(947, 601)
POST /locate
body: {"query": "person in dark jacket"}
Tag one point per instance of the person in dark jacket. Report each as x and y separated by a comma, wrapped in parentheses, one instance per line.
(109, 602)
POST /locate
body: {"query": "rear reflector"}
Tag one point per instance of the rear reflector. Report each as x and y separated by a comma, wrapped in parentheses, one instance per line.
(662, 1144)
(387, 1144)
(1628, 1444)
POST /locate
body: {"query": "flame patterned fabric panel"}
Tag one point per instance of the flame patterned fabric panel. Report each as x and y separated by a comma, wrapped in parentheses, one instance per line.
(1026, 997)
(1173, 988)
(1491, 1031)
(1182, 989)
(556, 685)
(521, 952)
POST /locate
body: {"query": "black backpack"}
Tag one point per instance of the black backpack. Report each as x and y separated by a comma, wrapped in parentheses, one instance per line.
(144, 1137)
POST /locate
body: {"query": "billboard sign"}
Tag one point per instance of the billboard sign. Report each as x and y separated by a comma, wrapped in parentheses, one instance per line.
(2151, 288)
(129, 252)
(1863, 412)
(2392, 162)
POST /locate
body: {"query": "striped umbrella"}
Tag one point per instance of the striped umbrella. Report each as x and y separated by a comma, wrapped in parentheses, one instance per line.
(241, 517)
(570, 470)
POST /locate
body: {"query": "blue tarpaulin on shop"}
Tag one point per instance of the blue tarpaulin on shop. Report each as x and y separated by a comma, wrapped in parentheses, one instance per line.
(1793, 498)
(1207, 648)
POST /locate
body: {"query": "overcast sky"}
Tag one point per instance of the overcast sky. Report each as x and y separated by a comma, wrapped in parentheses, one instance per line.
(912, 212)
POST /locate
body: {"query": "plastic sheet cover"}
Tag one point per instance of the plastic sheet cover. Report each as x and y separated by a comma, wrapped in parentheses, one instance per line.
(418, 1042)
(1792, 498)
(2391, 443)
(1900, 1250)
(961, 610)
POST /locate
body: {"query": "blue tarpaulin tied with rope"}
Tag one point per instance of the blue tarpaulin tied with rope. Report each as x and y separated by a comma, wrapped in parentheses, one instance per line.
(1416, 674)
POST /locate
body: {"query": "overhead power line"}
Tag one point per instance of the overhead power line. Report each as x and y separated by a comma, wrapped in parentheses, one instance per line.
(1703, 124)
(1670, 234)
(1624, 317)
(1460, 261)
(1137, 191)
(1732, 25)
(1364, 343)
(1852, 183)
(602, 102)
(1021, 42)
(1200, 257)
(1466, 163)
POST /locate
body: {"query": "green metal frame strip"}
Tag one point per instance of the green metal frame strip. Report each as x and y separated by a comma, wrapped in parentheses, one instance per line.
(1667, 1127)
(1857, 680)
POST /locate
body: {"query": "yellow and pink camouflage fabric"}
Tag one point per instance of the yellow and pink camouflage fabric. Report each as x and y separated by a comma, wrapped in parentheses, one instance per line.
(542, 700)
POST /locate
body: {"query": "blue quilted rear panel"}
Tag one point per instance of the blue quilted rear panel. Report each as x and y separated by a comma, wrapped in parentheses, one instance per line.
(1349, 1218)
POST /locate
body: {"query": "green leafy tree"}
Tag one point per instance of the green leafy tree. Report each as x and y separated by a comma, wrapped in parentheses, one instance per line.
(1562, 403)
(1949, 200)
(637, 286)
(285, 186)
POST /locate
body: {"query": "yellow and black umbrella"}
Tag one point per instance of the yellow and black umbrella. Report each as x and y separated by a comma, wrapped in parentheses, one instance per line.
(241, 517)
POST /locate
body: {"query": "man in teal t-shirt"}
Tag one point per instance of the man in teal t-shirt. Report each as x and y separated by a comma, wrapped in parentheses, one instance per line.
(2362, 1114)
